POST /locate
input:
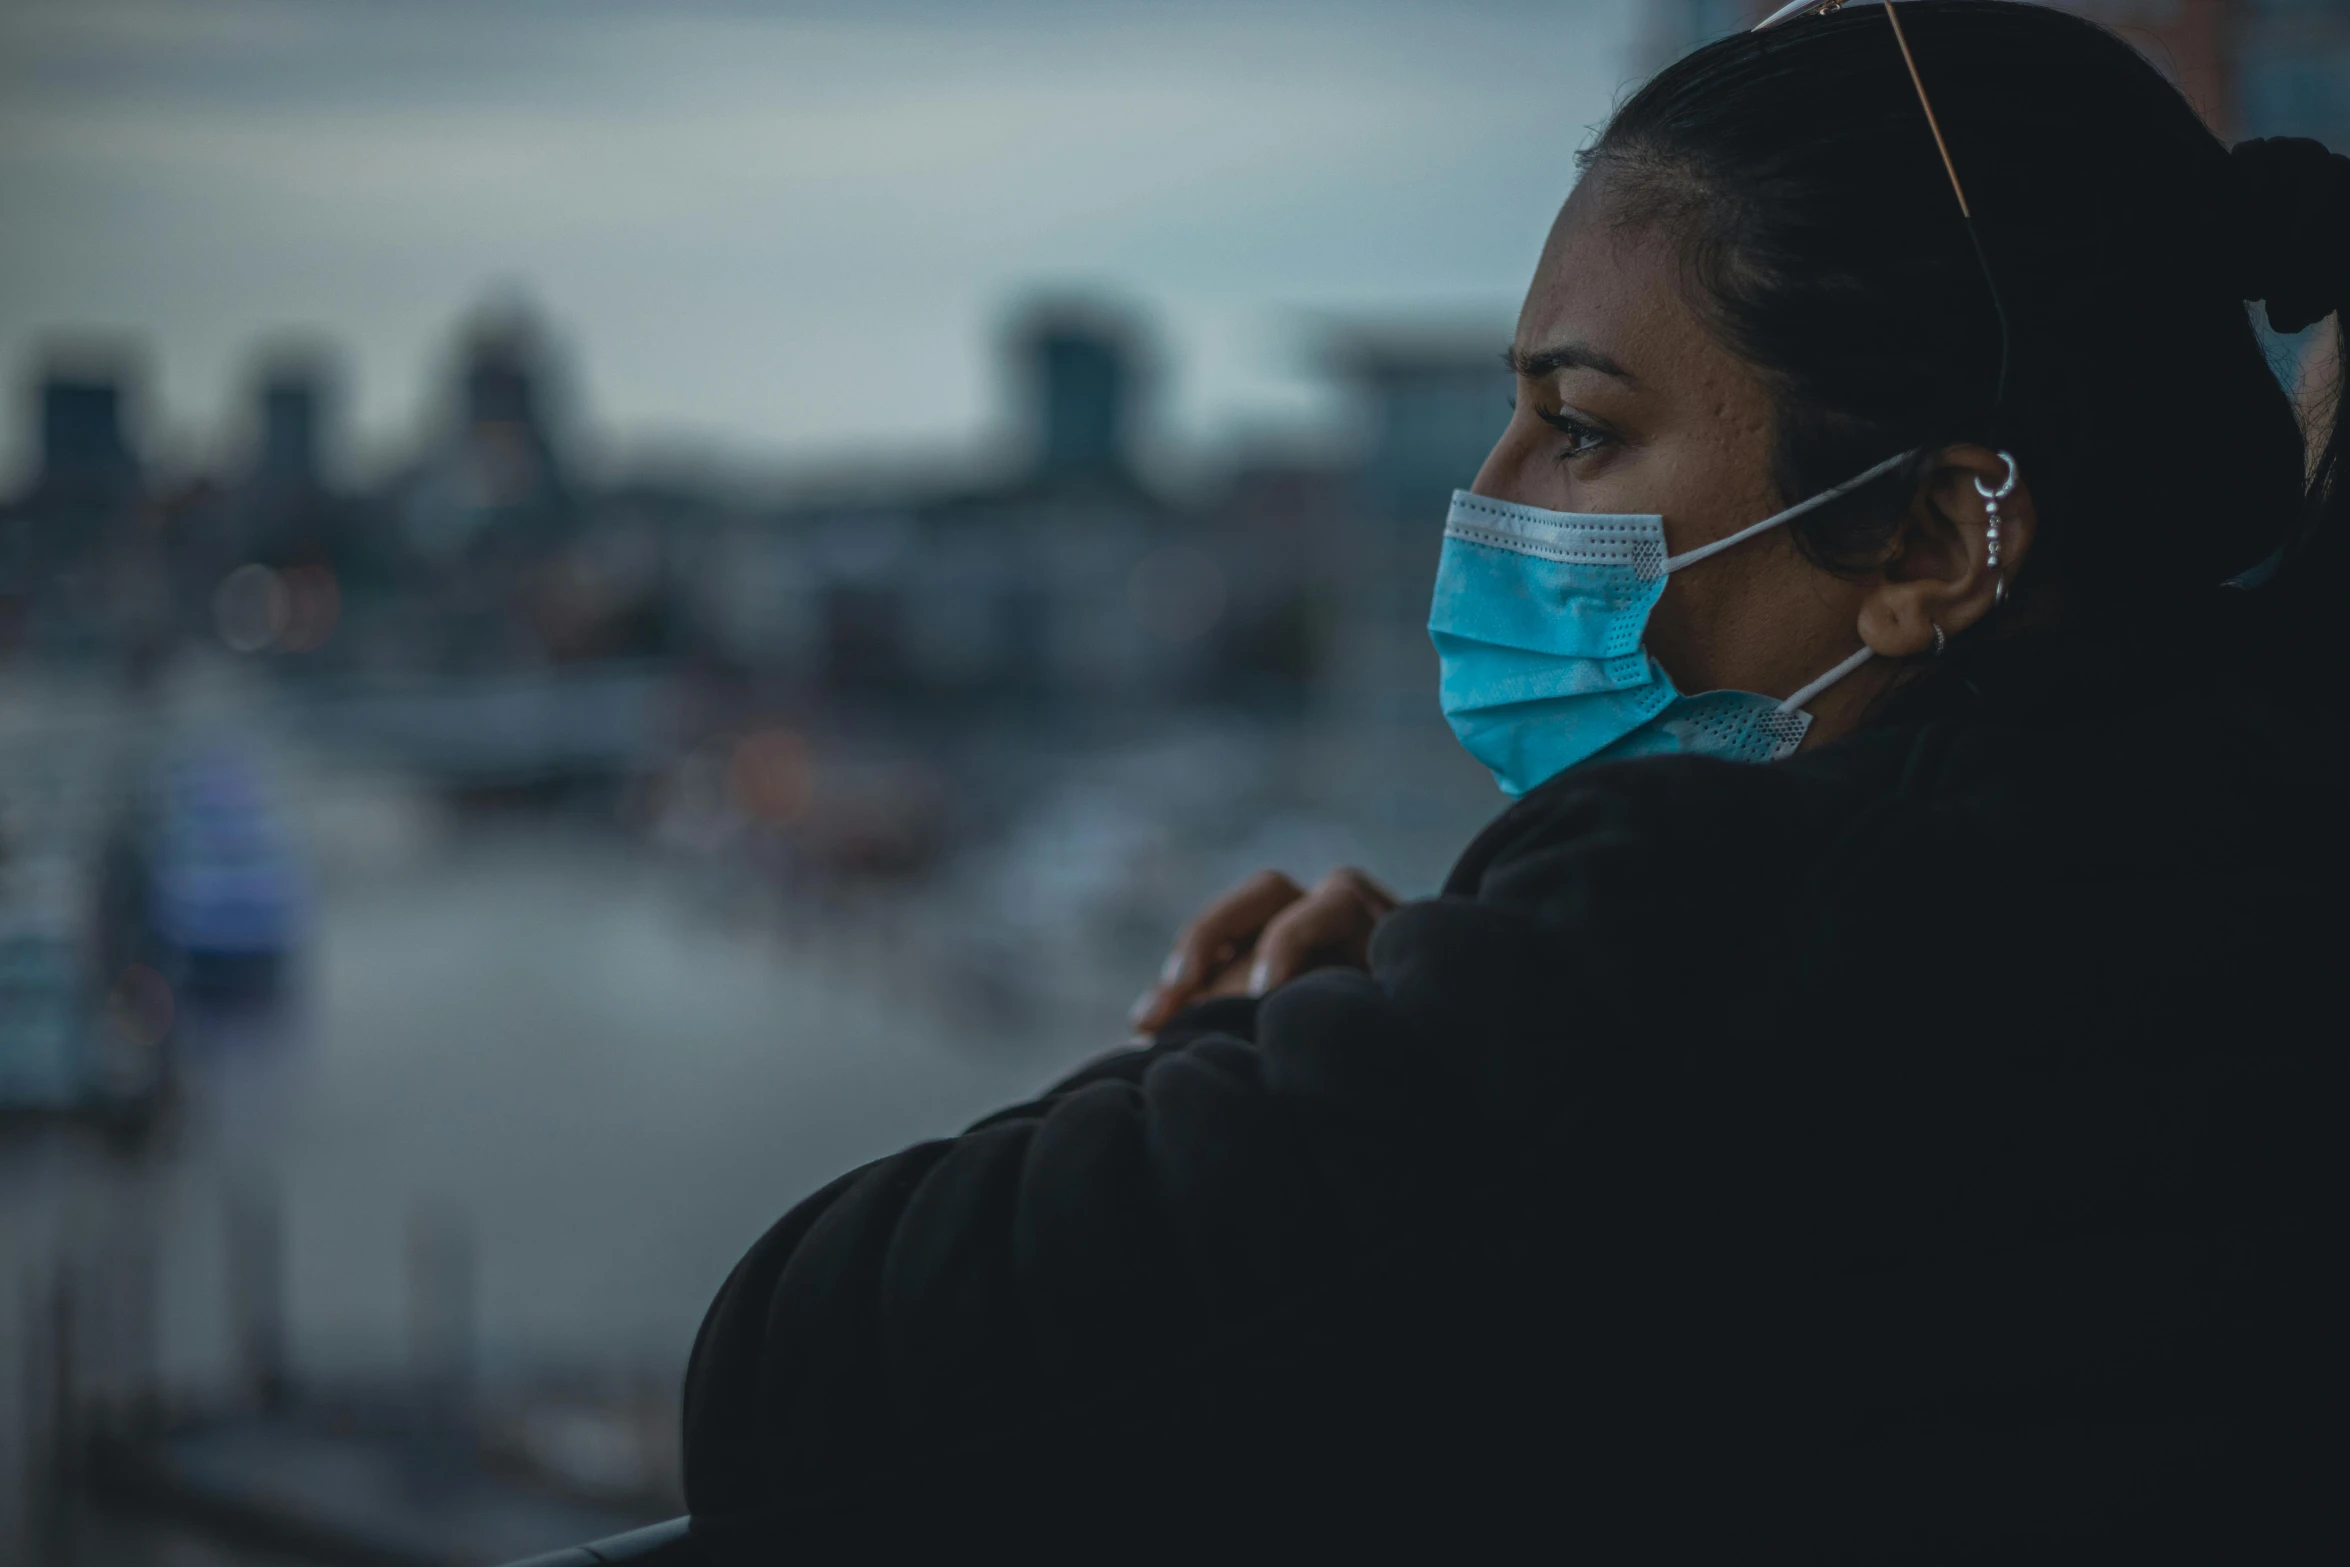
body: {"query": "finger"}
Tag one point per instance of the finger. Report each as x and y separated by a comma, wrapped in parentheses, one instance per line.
(1189, 977)
(1231, 980)
(1336, 920)
(1210, 942)
(1289, 944)
(1231, 922)
(1374, 892)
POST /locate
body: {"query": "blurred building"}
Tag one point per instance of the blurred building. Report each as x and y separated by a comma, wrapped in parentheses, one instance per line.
(491, 483)
(1064, 580)
(1057, 577)
(84, 450)
(1430, 401)
(1080, 366)
(485, 523)
(76, 548)
(293, 398)
(286, 513)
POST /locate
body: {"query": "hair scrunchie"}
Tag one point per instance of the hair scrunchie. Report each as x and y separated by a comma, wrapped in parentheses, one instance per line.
(2292, 228)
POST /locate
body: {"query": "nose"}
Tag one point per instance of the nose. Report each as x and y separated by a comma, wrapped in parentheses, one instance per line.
(1502, 475)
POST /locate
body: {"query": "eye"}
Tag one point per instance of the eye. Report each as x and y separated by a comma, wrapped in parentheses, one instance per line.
(1582, 439)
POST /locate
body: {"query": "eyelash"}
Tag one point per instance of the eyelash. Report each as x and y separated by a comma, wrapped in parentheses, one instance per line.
(1587, 438)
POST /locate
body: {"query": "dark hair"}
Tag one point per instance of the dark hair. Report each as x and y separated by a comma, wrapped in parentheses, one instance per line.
(1822, 240)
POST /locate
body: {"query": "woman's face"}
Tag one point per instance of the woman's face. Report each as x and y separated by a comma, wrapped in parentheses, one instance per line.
(1627, 404)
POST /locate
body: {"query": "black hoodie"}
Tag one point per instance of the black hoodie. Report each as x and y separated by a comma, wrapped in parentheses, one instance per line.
(1932, 1146)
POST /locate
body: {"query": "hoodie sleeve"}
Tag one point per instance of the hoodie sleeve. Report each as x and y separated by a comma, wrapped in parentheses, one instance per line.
(1248, 1173)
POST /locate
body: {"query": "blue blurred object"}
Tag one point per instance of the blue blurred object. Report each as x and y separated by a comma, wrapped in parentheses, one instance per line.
(226, 898)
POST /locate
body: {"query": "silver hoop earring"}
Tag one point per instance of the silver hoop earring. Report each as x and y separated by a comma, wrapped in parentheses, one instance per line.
(1940, 641)
(1991, 520)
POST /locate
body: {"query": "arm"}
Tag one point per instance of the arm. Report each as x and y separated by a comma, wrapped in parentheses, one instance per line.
(1170, 1198)
(1169, 1215)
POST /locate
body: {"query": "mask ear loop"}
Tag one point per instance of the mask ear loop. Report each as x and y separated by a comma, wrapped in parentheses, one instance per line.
(1673, 563)
(1803, 698)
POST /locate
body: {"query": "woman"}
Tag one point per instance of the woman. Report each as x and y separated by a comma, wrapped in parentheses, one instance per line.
(1924, 1144)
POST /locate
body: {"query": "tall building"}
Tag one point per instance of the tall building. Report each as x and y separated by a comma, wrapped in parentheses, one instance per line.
(281, 508)
(83, 444)
(1432, 401)
(1080, 365)
(76, 550)
(292, 409)
(494, 480)
(505, 432)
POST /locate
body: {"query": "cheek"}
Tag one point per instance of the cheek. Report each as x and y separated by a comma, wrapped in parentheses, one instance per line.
(1741, 621)
(1770, 624)
(1678, 632)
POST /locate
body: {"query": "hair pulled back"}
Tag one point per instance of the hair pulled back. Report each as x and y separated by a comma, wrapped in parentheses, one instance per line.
(1796, 172)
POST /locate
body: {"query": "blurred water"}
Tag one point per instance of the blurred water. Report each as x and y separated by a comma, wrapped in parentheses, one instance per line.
(545, 1029)
(600, 1061)
(612, 1077)
(617, 1081)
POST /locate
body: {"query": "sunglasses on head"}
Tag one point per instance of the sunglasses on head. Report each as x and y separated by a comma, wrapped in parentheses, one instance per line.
(1804, 8)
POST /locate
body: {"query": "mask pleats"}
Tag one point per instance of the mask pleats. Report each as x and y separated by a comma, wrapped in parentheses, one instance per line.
(1538, 618)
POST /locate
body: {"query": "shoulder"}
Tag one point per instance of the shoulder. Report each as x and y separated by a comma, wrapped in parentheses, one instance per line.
(1666, 827)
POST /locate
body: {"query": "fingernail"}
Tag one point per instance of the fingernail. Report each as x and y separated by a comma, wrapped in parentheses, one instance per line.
(1142, 1006)
(1260, 974)
(1171, 970)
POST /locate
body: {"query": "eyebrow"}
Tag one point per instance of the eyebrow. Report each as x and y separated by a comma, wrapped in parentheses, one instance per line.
(1566, 356)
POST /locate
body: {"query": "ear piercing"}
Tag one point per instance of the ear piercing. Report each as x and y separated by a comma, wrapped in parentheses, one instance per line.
(1991, 521)
(1940, 641)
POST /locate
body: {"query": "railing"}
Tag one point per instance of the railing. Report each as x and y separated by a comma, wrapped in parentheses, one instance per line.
(661, 1545)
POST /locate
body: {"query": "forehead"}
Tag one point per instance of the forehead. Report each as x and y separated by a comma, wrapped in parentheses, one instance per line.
(1618, 288)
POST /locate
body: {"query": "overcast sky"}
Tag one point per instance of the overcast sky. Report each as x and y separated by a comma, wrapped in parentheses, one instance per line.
(775, 231)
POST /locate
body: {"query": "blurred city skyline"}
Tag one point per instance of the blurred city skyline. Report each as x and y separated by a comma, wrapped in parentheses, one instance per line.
(768, 236)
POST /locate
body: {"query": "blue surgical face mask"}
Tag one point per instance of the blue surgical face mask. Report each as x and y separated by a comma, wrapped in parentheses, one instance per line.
(1538, 621)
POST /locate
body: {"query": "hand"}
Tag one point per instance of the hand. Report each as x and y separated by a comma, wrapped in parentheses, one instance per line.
(1263, 932)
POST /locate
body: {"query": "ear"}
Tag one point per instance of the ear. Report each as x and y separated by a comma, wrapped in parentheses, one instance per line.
(1936, 572)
